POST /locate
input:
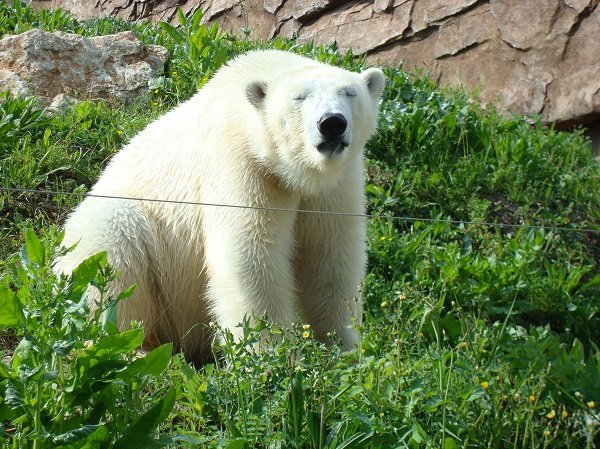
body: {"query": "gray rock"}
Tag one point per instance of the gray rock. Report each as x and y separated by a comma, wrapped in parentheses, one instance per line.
(61, 103)
(115, 68)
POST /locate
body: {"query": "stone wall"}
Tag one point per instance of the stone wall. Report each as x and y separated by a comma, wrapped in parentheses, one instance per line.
(526, 56)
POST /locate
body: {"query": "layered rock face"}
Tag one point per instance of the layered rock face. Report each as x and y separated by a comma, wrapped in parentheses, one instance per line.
(528, 57)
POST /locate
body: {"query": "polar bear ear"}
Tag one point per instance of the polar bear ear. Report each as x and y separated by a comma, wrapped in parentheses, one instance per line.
(256, 91)
(375, 80)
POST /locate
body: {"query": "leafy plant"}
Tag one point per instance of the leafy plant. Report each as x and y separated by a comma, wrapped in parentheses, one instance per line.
(16, 17)
(197, 50)
(74, 381)
(19, 118)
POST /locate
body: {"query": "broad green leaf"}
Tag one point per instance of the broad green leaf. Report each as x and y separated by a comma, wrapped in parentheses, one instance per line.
(111, 313)
(450, 443)
(101, 372)
(110, 316)
(196, 18)
(126, 293)
(6, 413)
(475, 394)
(238, 443)
(592, 282)
(109, 347)
(33, 250)
(153, 364)
(172, 32)
(63, 347)
(117, 344)
(183, 20)
(418, 435)
(95, 378)
(140, 434)
(84, 274)
(75, 435)
(98, 438)
(46, 138)
(3, 371)
(452, 326)
(22, 354)
(13, 396)
(121, 343)
(10, 308)
(26, 373)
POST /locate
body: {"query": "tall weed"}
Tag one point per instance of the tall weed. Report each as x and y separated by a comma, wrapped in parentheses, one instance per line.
(74, 381)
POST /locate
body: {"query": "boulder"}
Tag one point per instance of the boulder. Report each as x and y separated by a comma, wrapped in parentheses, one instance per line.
(115, 68)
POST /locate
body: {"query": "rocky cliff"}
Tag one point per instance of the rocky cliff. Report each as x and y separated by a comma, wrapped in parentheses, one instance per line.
(540, 57)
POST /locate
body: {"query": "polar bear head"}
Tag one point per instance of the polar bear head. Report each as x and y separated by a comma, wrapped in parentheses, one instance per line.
(317, 118)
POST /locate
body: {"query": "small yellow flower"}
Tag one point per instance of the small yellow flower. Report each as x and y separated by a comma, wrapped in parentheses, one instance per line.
(382, 238)
(564, 414)
(546, 433)
(306, 334)
(381, 415)
(551, 414)
(384, 304)
(401, 297)
(306, 327)
(531, 397)
(591, 404)
(485, 385)
(578, 395)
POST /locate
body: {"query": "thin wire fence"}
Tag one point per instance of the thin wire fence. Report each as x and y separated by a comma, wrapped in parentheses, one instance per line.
(308, 211)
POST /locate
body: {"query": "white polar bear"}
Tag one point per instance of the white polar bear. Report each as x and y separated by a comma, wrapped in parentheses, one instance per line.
(272, 132)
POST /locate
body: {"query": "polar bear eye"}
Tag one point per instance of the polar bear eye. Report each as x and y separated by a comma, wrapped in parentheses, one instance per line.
(300, 97)
(351, 92)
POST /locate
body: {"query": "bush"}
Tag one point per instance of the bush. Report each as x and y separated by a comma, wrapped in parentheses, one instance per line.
(75, 381)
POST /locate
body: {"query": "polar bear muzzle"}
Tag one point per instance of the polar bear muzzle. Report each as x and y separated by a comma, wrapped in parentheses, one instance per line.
(332, 127)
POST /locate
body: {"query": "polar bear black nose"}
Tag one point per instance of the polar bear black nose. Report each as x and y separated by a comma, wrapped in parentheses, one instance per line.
(332, 125)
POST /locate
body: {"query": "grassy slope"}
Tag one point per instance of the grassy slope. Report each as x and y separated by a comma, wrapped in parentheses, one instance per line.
(474, 335)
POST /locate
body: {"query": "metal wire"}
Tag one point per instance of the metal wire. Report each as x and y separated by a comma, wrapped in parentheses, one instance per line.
(308, 211)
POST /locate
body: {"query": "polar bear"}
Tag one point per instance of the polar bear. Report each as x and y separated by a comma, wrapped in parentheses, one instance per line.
(272, 150)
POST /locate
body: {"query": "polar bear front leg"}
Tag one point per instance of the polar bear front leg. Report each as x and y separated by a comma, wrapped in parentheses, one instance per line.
(248, 258)
(330, 266)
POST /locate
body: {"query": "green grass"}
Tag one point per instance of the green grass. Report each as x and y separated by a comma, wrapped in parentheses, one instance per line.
(481, 324)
